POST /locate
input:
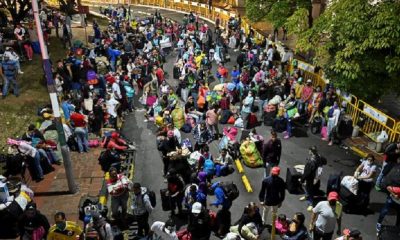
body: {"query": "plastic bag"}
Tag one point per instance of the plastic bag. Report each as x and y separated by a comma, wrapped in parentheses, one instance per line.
(382, 137)
(351, 183)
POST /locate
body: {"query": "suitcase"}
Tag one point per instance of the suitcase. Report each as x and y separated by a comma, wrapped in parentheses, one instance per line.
(389, 233)
(165, 200)
(176, 72)
(345, 127)
(293, 184)
(269, 118)
(333, 184)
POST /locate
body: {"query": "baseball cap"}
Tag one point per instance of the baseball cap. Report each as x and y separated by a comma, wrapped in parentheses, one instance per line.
(309, 81)
(333, 196)
(196, 208)
(353, 233)
(275, 171)
(114, 135)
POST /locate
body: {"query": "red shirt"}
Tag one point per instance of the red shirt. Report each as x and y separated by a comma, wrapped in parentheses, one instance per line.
(78, 120)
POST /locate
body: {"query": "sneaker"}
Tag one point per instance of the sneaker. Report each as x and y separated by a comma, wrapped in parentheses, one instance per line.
(378, 227)
(377, 188)
(310, 208)
(20, 72)
(303, 198)
(145, 120)
(330, 143)
(286, 137)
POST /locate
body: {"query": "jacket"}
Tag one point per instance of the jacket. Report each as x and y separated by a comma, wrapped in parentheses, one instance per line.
(199, 226)
(221, 199)
(141, 204)
(271, 152)
(272, 191)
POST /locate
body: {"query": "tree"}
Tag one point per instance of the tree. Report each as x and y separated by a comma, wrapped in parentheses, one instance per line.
(358, 45)
(67, 6)
(276, 12)
(18, 8)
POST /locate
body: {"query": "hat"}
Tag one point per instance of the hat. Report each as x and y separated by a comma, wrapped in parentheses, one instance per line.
(275, 171)
(333, 196)
(196, 208)
(47, 115)
(114, 135)
(309, 81)
(352, 233)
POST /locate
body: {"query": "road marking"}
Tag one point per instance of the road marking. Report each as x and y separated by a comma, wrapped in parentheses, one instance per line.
(246, 184)
(239, 166)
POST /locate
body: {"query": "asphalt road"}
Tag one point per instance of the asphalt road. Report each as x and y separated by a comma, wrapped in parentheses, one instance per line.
(149, 165)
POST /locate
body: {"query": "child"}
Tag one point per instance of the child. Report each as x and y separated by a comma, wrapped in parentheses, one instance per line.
(281, 224)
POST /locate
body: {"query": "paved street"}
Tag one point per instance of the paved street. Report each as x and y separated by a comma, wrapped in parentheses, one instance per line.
(149, 164)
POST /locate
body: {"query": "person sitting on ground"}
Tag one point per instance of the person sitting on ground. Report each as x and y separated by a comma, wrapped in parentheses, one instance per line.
(297, 230)
(115, 142)
(223, 163)
(163, 231)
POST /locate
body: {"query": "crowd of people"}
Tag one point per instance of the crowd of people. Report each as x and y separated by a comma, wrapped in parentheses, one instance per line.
(203, 101)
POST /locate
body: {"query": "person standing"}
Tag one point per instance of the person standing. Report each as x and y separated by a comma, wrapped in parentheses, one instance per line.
(80, 124)
(246, 108)
(324, 217)
(311, 177)
(9, 72)
(142, 208)
(272, 193)
(118, 188)
(199, 222)
(212, 116)
(271, 152)
(63, 229)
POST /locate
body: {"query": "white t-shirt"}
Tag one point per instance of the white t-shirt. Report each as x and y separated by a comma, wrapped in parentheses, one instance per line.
(326, 220)
(111, 105)
(116, 90)
(157, 228)
(367, 169)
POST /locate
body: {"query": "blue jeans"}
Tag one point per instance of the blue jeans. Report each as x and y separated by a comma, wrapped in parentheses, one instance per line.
(388, 205)
(380, 176)
(8, 81)
(112, 65)
(38, 167)
(82, 139)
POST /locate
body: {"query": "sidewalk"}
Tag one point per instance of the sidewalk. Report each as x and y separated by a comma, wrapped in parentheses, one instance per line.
(51, 194)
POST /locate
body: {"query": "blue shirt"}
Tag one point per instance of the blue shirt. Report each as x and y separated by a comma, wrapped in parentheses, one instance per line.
(9, 68)
(221, 199)
(67, 108)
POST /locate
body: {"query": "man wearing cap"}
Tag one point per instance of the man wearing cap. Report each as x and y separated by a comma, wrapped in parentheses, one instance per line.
(271, 152)
(199, 222)
(324, 217)
(272, 193)
(32, 221)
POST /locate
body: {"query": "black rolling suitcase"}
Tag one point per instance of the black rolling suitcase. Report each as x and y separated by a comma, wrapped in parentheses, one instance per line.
(176, 72)
(269, 118)
(345, 127)
(293, 184)
(389, 233)
(333, 184)
(165, 200)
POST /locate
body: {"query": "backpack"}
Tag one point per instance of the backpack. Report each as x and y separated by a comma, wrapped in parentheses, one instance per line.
(186, 128)
(151, 195)
(330, 112)
(231, 190)
(87, 203)
(209, 167)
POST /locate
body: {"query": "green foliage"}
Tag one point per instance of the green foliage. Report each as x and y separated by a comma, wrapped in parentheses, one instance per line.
(298, 22)
(278, 13)
(358, 46)
(256, 10)
(18, 9)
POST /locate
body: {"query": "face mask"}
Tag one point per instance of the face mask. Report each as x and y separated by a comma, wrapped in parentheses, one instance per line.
(61, 225)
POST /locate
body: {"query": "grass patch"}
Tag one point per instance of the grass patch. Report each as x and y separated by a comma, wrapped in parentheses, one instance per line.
(17, 113)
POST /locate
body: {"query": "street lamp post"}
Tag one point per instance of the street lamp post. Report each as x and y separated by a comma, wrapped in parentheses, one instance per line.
(51, 87)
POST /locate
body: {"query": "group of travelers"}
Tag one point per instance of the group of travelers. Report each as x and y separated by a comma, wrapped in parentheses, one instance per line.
(123, 72)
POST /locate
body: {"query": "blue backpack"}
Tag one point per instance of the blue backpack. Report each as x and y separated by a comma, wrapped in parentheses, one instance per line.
(209, 167)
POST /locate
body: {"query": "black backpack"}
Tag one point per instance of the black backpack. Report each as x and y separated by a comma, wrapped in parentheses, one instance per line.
(152, 197)
(231, 191)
